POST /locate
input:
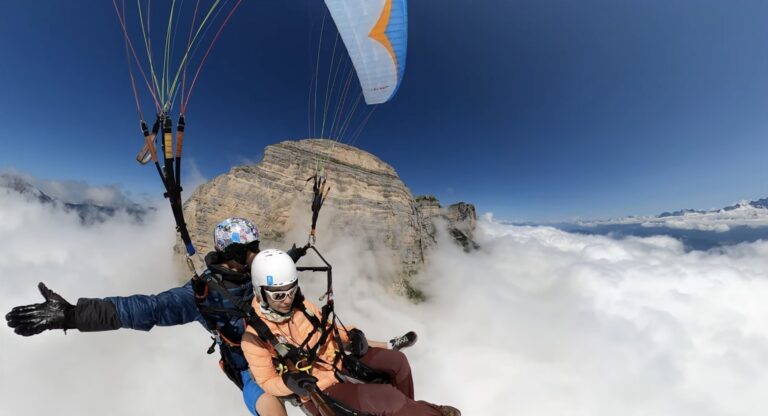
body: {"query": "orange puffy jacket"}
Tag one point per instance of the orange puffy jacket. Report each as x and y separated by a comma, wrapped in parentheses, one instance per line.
(259, 353)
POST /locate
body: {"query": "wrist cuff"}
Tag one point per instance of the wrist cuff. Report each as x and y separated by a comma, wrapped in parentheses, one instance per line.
(70, 321)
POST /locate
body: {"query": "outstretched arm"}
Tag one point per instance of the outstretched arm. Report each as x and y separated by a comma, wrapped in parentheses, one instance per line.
(143, 312)
(172, 307)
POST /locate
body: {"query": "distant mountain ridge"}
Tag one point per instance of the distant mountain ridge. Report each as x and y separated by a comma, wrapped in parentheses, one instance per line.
(758, 204)
(88, 213)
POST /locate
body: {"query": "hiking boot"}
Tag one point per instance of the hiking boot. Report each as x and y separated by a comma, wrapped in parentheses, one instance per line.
(404, 341)
(449, 411)
(445, 410)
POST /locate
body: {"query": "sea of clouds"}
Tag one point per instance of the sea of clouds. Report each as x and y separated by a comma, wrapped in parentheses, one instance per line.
(720, 221)
(536, 322)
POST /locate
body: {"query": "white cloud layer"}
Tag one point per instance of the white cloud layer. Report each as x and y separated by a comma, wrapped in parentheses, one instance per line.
(538, 322)
(718, 221)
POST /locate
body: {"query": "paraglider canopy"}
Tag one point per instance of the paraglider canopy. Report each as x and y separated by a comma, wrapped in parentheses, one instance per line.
(375, 35)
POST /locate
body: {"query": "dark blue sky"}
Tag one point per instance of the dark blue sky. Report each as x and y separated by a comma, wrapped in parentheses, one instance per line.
(532, 110)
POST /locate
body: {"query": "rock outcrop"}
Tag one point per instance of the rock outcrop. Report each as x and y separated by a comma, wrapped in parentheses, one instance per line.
(367, 200)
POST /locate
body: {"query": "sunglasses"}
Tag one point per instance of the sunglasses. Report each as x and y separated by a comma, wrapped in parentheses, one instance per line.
(239, 252)
(280, 295)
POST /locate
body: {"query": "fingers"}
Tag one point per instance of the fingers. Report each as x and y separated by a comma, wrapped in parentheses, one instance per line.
(47, 293)
(23, 313)
(25, 320)
(28, 331)
(50, 295)
(22, 310)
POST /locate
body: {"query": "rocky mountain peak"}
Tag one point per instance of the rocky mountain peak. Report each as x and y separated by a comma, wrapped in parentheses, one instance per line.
(367, 199)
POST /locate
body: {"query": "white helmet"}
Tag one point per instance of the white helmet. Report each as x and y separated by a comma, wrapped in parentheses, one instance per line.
(273, 268)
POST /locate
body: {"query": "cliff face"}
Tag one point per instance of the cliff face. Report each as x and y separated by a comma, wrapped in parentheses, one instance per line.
(367, 199)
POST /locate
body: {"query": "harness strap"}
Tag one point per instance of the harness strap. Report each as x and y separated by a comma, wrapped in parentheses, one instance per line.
(246, 309)
(327, 310)
(312, 319)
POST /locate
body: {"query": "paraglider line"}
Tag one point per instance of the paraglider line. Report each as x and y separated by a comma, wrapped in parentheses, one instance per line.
(146, 34)
(192, 50)
(176, 28)
(360, 129)
(121, 19)
(133, 83)
(189, 46)
(207, 52)
(348, 121)
(337, 97)
(341, 103)
(166, 57)
(317, 74)
(327, 86)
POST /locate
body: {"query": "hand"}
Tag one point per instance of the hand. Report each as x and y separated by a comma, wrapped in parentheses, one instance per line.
(300, 383)
(358, 342)
(297, 252)
(33, 319)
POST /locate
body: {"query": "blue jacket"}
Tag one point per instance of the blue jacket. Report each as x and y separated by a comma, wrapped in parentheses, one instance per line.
(177, 306)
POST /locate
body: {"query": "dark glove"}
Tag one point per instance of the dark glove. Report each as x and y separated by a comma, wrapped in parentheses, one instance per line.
(297, 252)
(300, 383)
(358, 342)
(214, 257)
(33, 319)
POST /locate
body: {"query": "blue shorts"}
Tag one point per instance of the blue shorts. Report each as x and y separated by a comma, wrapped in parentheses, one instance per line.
(251, 391)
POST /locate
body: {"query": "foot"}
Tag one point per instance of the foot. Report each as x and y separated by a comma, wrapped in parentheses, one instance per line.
(404, 341)
(449, 411)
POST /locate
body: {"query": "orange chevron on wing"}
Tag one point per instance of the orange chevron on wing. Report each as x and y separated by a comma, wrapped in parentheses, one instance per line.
(378, 32)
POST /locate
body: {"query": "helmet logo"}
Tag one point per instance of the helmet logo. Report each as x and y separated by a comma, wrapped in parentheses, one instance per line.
(270, 280)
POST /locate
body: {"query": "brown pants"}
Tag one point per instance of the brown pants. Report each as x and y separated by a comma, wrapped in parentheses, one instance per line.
(395, 399)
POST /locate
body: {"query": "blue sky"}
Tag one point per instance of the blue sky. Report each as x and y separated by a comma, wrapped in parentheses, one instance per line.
(532, 110)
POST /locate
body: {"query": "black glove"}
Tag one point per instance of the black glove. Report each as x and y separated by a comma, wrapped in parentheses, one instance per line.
(297, 252)
(33, 319)
(358, 342)
(300, 383)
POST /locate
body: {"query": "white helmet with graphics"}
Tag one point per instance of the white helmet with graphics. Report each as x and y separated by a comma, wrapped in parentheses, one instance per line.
(273, 268)
(234, 230)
